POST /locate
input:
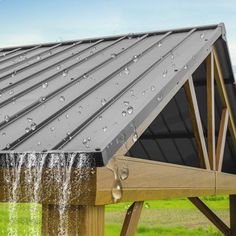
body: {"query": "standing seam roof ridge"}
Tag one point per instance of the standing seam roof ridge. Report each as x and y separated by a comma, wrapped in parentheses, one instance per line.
(76, 100)
(22, 53)
(18, 63)
(51, 66)
(8, 53)
(117, 96)
(41, 61)
(64, 87)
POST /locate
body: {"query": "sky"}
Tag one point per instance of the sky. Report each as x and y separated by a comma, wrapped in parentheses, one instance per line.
(37, 21)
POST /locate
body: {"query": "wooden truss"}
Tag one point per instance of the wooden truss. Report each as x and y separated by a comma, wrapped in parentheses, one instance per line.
(161, 180)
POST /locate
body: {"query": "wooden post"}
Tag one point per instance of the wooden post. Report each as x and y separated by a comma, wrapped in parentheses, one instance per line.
(232, 203)
(75, 220)
(131, 219)
(211, 110)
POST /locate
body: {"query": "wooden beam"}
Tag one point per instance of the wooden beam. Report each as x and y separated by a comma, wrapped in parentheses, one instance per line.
(73, 220)
(154, 180)
(131, 219)
(221, 139)
(224, 96)
(232, 205)
(196, 123)
(225, 183)
(210, 215)
(211, 110)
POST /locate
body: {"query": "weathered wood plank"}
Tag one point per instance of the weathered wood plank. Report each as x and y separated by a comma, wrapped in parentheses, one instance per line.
(196, 123)
(131, 219)
(154, 180)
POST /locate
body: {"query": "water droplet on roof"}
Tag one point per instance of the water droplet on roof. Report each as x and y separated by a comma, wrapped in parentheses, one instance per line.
(85, 76)
(135, 137)
(39, 143)
(84, 141)
(186, 67)
(42, 99)
(8, 145)
(45, 85)
(126, 103)
(164, 74)
(113, 55)
(3, 133)
(104, 128)
(6, 118)
(159, 97)
(11, 92)
(153, 87)
(27, 129)
(159, 44)
(127, 71)
(38, 57)
(67, 116)
(52, 128)
(123, 113)
(65, 73)
(58, 67)
(130, 110)
(135, 58)
(33, 126)
(100, 117)
(202, 35)
(13, 73)
(103, 101)
(62, 99)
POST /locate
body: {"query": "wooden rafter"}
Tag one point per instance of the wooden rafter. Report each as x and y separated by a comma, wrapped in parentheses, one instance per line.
(211, 110)
(221, 139)
(223, 94)
(131, 219)
(196, 123)
(210, 215)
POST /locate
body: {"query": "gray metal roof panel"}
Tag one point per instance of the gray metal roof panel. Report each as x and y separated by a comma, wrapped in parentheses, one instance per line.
(77, 92)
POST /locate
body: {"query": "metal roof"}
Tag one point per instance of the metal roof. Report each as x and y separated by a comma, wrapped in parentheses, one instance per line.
(99, 95)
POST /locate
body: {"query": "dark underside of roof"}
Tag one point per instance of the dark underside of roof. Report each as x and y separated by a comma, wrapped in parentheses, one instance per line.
(92, 95)
(170, 136)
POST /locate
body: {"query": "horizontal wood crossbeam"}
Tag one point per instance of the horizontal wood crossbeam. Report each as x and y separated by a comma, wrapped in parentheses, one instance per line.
(210, 215)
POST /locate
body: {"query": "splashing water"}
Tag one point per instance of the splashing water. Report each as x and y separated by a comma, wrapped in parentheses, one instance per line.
(56, 178)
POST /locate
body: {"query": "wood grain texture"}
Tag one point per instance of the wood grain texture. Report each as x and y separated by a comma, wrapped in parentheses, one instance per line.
(224, 96)
(210, 110)
(210, 215)
(196, 123)
(225, 183)
(154, 180)
(75, 220)
(131, 219)
(221, 139)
